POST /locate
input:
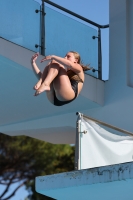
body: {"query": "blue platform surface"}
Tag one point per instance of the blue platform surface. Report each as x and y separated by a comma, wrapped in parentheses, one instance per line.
(101, 183)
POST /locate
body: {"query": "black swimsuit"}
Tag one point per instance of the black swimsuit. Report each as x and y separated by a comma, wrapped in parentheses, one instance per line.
(74, 84)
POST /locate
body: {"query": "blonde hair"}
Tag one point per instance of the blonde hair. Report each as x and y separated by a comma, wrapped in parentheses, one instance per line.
(78, 58)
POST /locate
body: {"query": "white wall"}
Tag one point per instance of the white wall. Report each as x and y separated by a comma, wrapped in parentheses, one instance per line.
(118, 108)
(130, 43)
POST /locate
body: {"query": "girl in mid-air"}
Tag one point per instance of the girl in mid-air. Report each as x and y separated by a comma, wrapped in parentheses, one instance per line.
(62, 79)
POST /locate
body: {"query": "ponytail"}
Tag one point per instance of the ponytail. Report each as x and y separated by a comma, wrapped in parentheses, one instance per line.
(77, 56)
(85, 67)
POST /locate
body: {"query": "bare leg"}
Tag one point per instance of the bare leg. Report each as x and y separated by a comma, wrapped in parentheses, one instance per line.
(38, 84)
(42, 77)
(50, 94)
(52, 72)
(58, 78)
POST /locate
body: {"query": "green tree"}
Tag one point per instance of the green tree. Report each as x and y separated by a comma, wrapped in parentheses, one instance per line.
(23, 158)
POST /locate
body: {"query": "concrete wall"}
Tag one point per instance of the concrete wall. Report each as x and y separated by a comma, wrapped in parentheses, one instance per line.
(101, 183)
(118, 107)
(129, 45)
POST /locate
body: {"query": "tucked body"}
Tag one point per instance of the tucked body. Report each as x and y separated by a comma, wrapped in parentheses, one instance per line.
(62, 79)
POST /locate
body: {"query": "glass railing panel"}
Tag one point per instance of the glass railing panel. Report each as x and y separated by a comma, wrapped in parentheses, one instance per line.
(19, 22)
(64, 33)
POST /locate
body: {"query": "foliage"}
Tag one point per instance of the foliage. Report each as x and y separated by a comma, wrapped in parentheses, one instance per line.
(23, 158)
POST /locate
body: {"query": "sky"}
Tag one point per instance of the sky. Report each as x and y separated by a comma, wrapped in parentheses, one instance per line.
(97, 11)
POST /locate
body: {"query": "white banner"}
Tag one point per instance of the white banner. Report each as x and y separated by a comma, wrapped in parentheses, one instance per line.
(102, 146)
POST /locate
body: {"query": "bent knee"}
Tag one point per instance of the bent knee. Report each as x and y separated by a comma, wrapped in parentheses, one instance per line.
(56, 64)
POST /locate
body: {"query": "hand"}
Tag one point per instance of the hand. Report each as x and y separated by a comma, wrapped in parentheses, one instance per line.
(34, 57)
(46, 58)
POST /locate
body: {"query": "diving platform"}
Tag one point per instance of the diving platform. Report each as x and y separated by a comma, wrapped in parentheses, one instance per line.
(109, 101)
(23, 114)
(109, 182)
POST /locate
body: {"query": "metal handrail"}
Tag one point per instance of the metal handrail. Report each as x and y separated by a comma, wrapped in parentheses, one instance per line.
(84, 19)
(75, 14)
(105, 124)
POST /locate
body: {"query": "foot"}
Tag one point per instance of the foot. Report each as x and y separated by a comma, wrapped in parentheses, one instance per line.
(42, 88)
(36, 87)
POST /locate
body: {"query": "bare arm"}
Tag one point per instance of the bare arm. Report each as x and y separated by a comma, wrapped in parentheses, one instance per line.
(67, 63)
(37, 71)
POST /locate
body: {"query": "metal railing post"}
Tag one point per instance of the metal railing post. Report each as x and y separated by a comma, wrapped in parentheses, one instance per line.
(99, 55)
(43, 29)
(78, 143)
(77, 147)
